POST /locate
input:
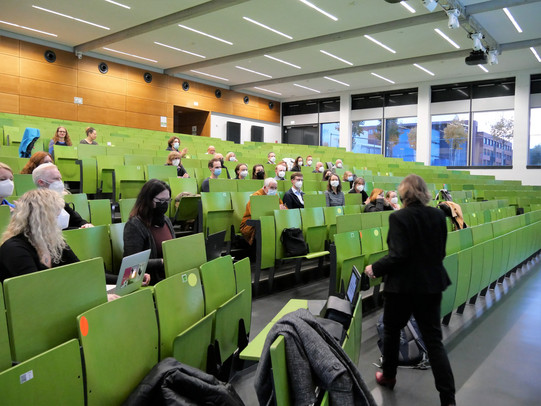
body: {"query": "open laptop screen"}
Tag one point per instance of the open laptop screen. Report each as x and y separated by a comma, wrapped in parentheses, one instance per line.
(353, 285)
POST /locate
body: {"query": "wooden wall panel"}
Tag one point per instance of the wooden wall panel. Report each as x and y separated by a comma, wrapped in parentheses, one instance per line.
(9, 64)
(9, 103)
(136, 75)
(10, 84)
(136, 105)
(91, 114)
(104, 83)
(9, 46)
(48, 72)
(146, 91)
(100, 99)
(150, 122)
(47, 108)
(37, 53)
(47, 90)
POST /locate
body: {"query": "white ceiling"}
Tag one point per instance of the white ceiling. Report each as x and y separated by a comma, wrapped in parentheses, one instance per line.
(414, 40)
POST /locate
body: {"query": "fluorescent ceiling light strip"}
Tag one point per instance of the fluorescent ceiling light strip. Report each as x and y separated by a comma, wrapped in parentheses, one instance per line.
(423, 69)
(28, 28)
(208, 74)
(180, 50)
(307, 88)
(483, 68)
(319, 10)
(70, 17)
(446, 38)
(335, 57)
(118, 4)
(253, 71)
(268, 28)
(282, 61)
(512, 19)
(266, 90)
(535, 53)
(125, 53)
(408, 7)
(205, 34)
(381, 77)
(337, 81)
(375, 41)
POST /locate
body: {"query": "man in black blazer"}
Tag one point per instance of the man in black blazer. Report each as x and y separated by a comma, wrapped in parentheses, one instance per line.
(415, 278)
(293, 198)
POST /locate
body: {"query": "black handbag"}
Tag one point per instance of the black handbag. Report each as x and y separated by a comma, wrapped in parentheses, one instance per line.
(293, 242)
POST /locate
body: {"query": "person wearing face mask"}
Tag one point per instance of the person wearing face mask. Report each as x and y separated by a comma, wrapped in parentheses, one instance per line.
(377, 202)
(47, 176)
(359, 186)
(392, 198)
(309, 160)
(211, 150)
(339, 164)
(270, 188)
(271, 158)
(173, 144)
(6, 185)
(231, 157)
(215, 168)
(148, 226)
(334, 195)
(293, 198)
(241, 171)
(173, 159)
(349, 177)
(298, 164)
(258, 172)
(280, 171)
(319, 168)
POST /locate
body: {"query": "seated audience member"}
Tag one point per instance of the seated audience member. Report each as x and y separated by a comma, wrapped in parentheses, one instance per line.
(173, 144)
(349, 177)
(309, 160)
(319, 168)
(61, 137)
(293, 198)
(241, 171)
(392, 199)
(231, 157)
(271, 158)
(38, 158)
(91, 136)
(280, 171)
(148, 226)
(221, 158)
(298, 164)
(377, 202)
(6, 185)
(173, 159)
(211, 150)
(326, 175)
(47, 176)
(338, 164)
(359, 186)
(334, 195)
(270, 188)
(258, 172)
(215, 168)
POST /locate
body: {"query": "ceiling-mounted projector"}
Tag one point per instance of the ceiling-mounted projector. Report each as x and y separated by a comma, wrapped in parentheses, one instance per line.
(476, 58)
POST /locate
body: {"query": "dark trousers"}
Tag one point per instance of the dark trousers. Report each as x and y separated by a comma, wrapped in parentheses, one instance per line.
(398, 308)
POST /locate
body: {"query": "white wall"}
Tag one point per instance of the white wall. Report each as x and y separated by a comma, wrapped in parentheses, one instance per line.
(218, 128)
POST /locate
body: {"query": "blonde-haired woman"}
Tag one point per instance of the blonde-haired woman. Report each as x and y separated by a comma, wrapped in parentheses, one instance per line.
(173, 159)
(33, 240)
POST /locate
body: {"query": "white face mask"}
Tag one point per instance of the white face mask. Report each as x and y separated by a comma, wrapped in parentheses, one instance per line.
(339, 165)
(272, 192)
(394, 200)
(57, 186)
(176, 145)
(281, 174)
(6, 188)
(360, 188)
(232, 159)
(298, 184)
(334, 183)
(272, 159)
(63, 219)
(300, 163)
(321, 169)
(243, 174)
(309, 162)
(175, 162)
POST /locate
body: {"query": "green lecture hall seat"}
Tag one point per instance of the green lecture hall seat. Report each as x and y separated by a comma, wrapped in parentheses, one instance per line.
(5, 351)
(116, 234)
(175, 252)
(93, 242)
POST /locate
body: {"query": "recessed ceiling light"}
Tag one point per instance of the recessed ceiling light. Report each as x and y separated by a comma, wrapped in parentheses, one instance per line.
(446, 38)
(407, 7)
(118, 4)
(70, 17)
(205, 34)
(337, 81)
(483, 68)
(335, 57)
(423, 69)
(180, 50)
(375, 41)
(381, 77)
(319, 10)
(266, 90)
(125, 53)
(282, 61)
(28, 28)
(535, 53)
(208, 74)
(307, 88)
(512, 19)
(253, 71)
(268, 28)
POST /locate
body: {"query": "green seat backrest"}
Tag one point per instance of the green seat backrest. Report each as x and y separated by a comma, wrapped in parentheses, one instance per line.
(348, 222)
(330, 219)
(482, 233)
(249, 185)
(352, 209)
(80, 203)
(371, 220)
(314, 228)
(450, 263)
(5, 217)
(348, 246)
(90, 151)
(134, 173)
(114, 367)
(285, 219)
(279, 372)
(464, 276)
(263, 206)
(243, 278)
(353, 198)
(315, 200)
(89, 175)
(139, 160)
(453, 243)
(14, 162)
(238, 204)
(125, 206)
(105, 166)
(223, 185)
(65, 159)
(91, 242)
(218, 278)
(54, 377)
(179, 185)
(161, 172)
(116, 233)
(371, 240)
(41, 307)
(268, 241)
(23, 183)
(100, 212)
(217, 213)
(175, 254)
(5, 352)
(465, 237)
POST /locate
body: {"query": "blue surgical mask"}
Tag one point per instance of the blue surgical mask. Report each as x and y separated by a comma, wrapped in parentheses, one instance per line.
(217, 171)
(272, 192)
(350, 178)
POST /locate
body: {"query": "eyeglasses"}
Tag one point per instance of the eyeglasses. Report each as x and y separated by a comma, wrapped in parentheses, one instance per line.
(62, 131)
(161, 201)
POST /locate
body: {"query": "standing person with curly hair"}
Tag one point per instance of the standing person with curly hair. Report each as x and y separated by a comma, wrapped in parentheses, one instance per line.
(61, 137)
(38, 158)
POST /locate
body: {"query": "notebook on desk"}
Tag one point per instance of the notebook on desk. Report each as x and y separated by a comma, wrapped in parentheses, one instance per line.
(131, 274)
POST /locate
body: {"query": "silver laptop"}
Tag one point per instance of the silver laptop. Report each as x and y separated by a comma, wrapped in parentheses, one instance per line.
(131, 274)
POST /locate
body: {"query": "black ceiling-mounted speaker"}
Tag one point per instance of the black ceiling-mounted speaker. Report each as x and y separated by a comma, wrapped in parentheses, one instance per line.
(147, 76)
(393, 1)
(103, 68)
(185, 86)
(271, 105)
(50, 56)
(218, 93)
(246, 100)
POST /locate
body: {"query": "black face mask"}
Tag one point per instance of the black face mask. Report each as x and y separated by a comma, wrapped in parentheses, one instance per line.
(158, 212)
(260, 175)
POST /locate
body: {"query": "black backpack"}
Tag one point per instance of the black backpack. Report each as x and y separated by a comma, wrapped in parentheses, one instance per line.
(293, 242)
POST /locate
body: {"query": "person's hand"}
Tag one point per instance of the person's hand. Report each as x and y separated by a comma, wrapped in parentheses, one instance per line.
(146, 280)
(87, 225)
(367, 201)
(184, 151)
(368, 271)
(185, 175)
(283, 207)
(112, 296)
